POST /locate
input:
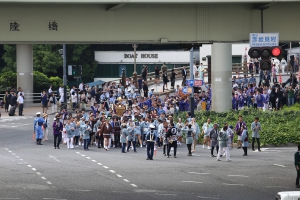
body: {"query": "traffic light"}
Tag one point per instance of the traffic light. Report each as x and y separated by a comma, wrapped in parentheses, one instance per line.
(265, 53)
(74, 70)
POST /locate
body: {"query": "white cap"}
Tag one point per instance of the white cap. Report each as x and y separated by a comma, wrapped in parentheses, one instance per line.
(128, 89)
(38, 113)
(152, 89)
(152, 126)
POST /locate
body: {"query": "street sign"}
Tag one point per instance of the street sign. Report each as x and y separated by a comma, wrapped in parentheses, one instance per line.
(77, 77)
(218, 79)
(190, 83)
(198, 83)
(187, 90)
(70, 70)
(264, 39)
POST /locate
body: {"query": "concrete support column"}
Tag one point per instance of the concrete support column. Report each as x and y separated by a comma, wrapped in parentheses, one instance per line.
(221, 74)
(25, 70)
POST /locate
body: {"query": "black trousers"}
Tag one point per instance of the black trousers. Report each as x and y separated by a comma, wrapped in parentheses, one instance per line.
(298, 176)
(164, 148)
(189, 146)
(117, 140)
(174, 145)
(76, 138)
(245, 150)
(258, 143)
(21, 109)
(212, 150)
(183, 80)
(57, 140)
(150, 150)
(100, 141)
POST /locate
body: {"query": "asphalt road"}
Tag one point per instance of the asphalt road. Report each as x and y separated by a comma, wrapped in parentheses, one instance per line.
(28, 171)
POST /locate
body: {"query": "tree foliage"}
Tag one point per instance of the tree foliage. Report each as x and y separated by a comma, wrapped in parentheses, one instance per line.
(40, 81)
(8, 80)
(9, 58)
(55, 82)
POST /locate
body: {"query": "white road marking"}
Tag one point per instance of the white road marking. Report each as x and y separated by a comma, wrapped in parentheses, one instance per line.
(43, 178)
(112, 171)
(78, 152)
(88, 157)
(118, 175)
(239, 176)
(81, 190)
(29, 165)
(54, 158)
(105, 167)
(134, 185)
(277, 187)
(38, 173)
(233, 184)
(82, 155)
(13, 126)
(197, 173)
(17, 157)
(9, 151)
(190, 182)
(13, 154)
(34, 169)
(166, 194)
(49, 182)
(99, 163)
(280, 177)
(279, 165)
(20, 159)
(126, 180)
(94, 161)
(6, 149)
(207, 197)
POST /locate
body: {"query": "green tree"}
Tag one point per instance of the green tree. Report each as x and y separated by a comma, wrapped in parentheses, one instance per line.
(9, 58)
(46, 58)
(8, 80)
(55, 82)
(40, 82)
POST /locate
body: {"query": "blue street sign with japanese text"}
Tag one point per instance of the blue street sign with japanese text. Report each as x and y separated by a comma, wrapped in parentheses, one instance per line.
(264, 39)
(190, 83)
(185, 90)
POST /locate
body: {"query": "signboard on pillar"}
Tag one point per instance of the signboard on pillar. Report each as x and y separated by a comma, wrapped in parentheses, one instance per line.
(198, 83)
(264, 39)
(70, 70)
(190, 83)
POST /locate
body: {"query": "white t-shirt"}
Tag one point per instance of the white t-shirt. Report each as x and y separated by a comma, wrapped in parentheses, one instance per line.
(81, 87)
(74, 98)
(20, 100)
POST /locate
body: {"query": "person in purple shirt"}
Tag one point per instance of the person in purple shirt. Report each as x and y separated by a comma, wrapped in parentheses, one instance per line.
(95, 107)
(57, 132)
(260, 100)
(241, 100)
(238, 130)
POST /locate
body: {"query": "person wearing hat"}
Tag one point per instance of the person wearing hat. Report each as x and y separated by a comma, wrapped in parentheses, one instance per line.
(172, 139)
(189, 138)
(238, 130)
(105, 130)
(136, 94)
(130, 137)
(46, 127)
(70, 128)
(151, 137)
(245, 139)
(223, 139)
(213, 135)
(196, 128)
(151, 92)
(57, 132)
(123, 136)
(38, 123)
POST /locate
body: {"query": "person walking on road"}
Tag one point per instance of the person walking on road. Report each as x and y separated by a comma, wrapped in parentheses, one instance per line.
(44, 102)
(57, 132)
(20, 101)
(151, 137)
(38, 123)
(189, 139)
(213, 135)
(256, 128)
(238, 130)
(206, 128)
(244, 138)
(297, 166)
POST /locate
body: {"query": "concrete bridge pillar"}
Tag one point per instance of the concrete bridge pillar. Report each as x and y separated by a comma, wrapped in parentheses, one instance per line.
(25, 70)
(221, 72)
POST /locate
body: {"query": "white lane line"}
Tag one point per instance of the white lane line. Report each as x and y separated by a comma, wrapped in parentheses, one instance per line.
(54, 158)
(126, 180)
(190, 182)
(238, 176)
(13, 154)
(166, 194)
(99, 163)
(277, 187)
(279, 165)
(49, 182)
(94, 161)
(20, 159)
(233, 184)
(133, 185)
(279, 177)
(78, 152)
(82, 155)
(34, 169)
(105, 167)
(6, 149)
(17, 157)
(88, 158)
(112, 171)
(43, 178)
(29, 165)
(81, 190)
(207, 197)
(38, 173)
(198, 173)
(9, 151)
(118, 175)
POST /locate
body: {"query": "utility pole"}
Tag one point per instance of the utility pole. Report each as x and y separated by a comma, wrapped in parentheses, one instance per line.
(192, 101)
(134, 71)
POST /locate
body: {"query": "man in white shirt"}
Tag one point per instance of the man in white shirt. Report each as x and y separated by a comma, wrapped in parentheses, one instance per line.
(60, 90)
(81, 86)
(20, 101)
(283, 65)
(50, 90)
(195, 70)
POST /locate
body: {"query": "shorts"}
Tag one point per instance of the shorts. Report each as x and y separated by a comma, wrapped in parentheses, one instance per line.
(157, 76)
(106, 135)
(239, 137)
(45, 105)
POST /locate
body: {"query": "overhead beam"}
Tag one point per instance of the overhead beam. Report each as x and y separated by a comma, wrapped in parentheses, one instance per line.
(115, 7)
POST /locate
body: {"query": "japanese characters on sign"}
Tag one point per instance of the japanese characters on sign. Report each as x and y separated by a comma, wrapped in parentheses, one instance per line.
(264, 39)
(14, 26)
(52, 25)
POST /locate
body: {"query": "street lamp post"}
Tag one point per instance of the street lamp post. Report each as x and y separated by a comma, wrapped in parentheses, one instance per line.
(192, 101)
(63, 54)
(134, 70)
